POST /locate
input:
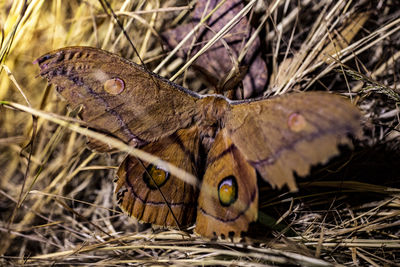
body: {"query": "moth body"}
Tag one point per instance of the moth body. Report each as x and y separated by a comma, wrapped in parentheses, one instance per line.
(224, 143)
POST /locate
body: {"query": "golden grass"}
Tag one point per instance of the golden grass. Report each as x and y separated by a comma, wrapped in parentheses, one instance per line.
(56, 197)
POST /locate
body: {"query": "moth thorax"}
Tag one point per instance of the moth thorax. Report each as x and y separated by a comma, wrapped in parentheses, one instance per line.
(212, 108)
(211, 111)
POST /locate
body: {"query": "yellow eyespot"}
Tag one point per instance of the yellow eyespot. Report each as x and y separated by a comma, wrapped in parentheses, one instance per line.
(114, 86)
(296, 122)
(155, 177)
(228, 191)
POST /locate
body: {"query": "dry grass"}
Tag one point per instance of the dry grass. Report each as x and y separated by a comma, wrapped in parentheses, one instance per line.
(56, 197)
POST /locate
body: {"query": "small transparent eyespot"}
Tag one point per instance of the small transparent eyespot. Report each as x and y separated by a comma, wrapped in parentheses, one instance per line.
(114, 86)
(296, 122)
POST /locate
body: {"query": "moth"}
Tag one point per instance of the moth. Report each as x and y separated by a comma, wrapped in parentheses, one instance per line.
(224, 143)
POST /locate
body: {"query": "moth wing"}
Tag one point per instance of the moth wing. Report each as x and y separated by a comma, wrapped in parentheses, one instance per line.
(161, 199)
(228, 199)
(98, 146)
(118, 96)
(290, 133)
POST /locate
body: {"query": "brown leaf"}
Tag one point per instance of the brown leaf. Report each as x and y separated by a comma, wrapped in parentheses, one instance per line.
(221, 58)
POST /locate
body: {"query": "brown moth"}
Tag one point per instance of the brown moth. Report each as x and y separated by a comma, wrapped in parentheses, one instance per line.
(272, 137)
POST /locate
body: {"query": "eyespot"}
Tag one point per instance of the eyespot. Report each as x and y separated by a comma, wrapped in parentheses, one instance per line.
(228, 191)
(155, 177)
(296, 122)
(114, 86)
